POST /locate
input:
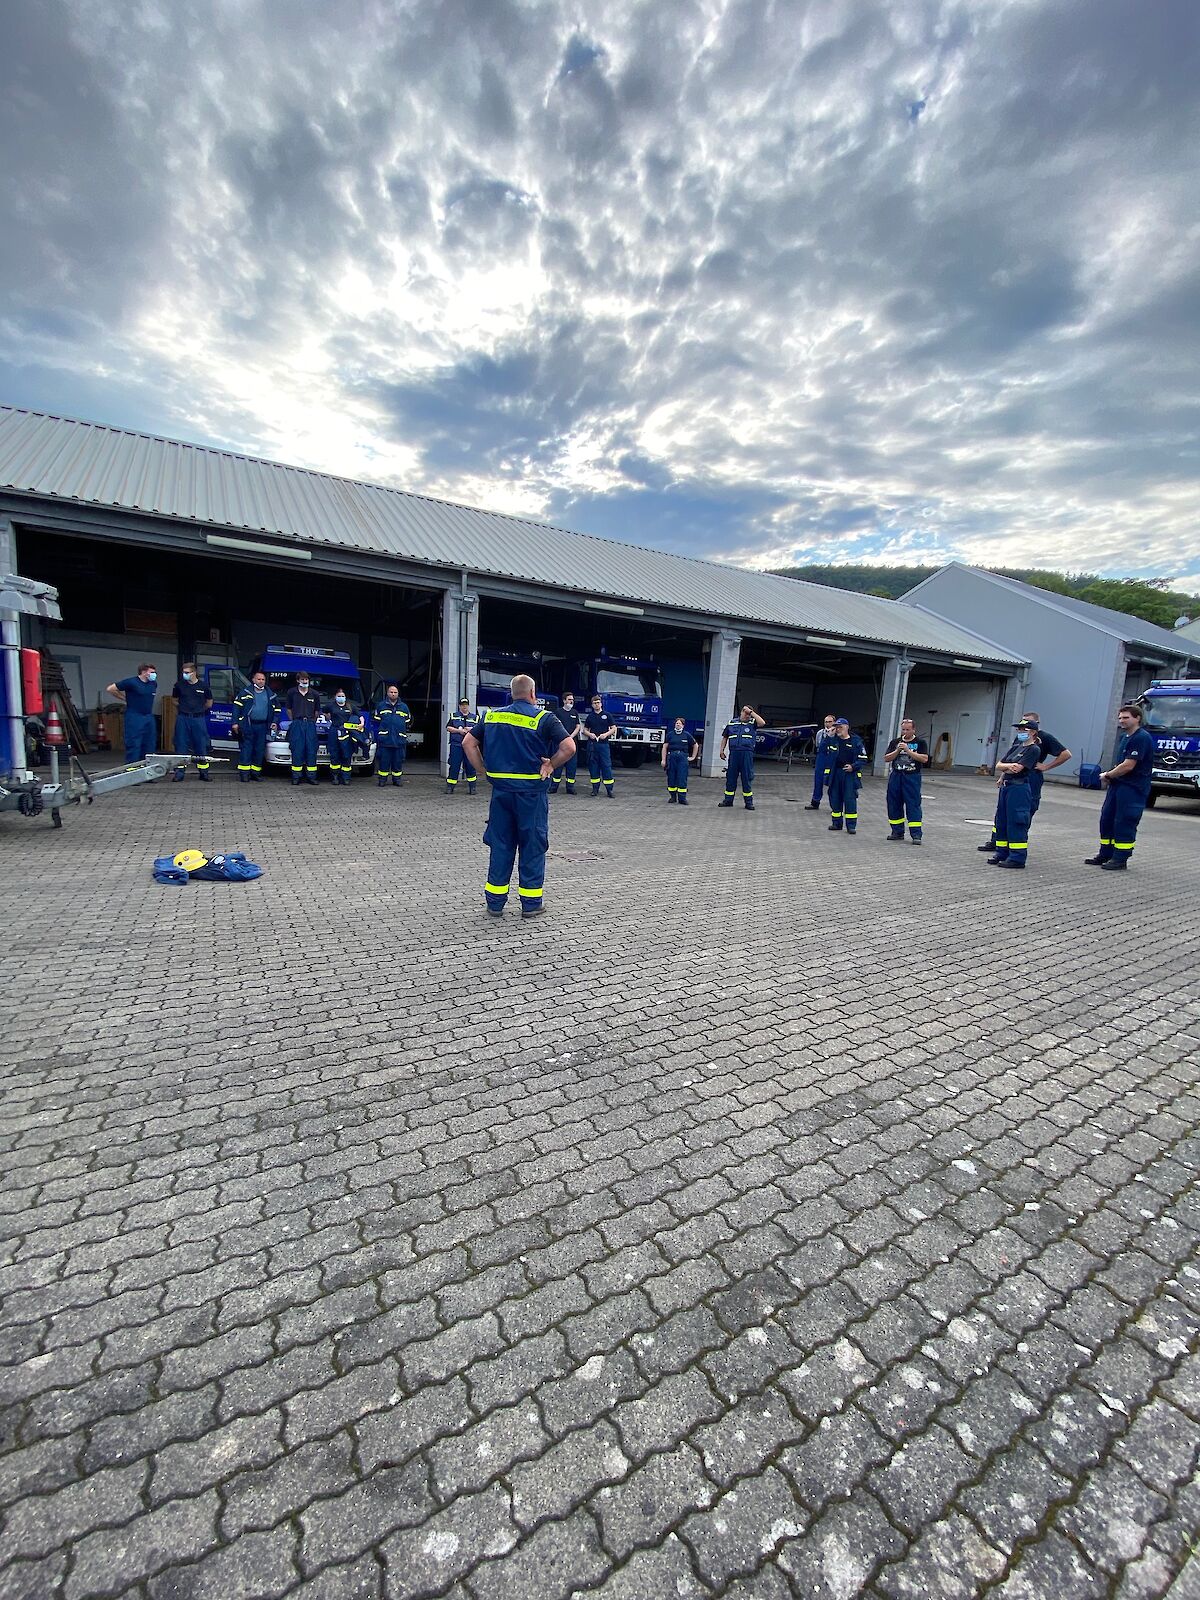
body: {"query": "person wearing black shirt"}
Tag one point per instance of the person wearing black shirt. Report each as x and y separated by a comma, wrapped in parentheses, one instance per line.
(600, 730)
(303, 706)
(1129, 781)
(1011, 827)
(191, 722)
(1054, 753)
(905, 757)
(569, 718)
(678, 749)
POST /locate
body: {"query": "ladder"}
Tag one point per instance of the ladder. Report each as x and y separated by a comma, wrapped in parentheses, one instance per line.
(54, 687)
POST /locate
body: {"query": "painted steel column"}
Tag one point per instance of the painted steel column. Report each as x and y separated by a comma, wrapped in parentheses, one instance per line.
(724, 657)
(893, 692)
(12, 738)
(460, 656)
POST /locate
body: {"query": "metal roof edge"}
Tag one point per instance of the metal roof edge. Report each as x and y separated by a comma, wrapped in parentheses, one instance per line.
(1004, 656)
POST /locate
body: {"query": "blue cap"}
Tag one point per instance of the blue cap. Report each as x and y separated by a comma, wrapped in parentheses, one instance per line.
(837, 721)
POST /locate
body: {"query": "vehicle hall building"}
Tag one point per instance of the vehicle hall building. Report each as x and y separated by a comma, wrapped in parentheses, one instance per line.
(167, 550)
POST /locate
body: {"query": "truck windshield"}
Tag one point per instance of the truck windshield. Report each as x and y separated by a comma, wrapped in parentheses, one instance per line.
(612, 680)
(1173, 713)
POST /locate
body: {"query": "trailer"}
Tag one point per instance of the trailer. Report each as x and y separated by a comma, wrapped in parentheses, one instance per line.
(33, 798)
(21, 790)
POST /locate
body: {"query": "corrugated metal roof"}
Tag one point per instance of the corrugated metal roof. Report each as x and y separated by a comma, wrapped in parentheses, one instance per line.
(66, 459)
(1119, 624)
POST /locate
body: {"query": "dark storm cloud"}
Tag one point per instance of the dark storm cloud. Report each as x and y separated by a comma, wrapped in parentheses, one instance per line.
(765, 278)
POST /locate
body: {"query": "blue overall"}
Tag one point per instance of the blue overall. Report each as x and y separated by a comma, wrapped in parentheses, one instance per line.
(679, 748)
(391, 741)
(344, 739)
(191, 725)
(904, 791)
(843, 785)
(515, 740)
(460, 722)
(1126, 797)
(822, 768)
(740, 766)
(254, 713)
(569, 718)
(1014, 807)
(302, 732)
(600, 767)
(140, 733)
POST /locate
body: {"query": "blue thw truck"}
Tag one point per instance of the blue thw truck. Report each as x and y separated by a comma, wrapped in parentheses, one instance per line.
(1171, 715)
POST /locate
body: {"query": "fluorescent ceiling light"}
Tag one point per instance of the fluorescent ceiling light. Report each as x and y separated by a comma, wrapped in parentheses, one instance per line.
(959, 662)
(817, 638)
(611, 605)
(249, 546)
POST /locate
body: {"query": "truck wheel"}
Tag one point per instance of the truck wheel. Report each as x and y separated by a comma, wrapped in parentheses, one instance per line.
(631, 758)
(1152, 799)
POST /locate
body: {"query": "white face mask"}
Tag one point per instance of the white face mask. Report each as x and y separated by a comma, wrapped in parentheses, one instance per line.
(303, 686)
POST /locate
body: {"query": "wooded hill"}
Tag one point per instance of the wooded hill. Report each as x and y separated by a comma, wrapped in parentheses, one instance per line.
(1148, 598)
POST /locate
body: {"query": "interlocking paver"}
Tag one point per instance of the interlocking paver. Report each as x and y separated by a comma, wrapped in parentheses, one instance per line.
(647, 1300)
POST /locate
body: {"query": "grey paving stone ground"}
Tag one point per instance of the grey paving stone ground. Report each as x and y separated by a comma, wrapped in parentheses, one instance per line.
(736, 1230)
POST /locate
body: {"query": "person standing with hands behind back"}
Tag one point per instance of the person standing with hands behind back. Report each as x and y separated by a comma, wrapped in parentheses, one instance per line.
(678, 749)
(1014, 802)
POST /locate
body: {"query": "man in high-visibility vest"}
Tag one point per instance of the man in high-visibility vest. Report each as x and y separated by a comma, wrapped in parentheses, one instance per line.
(517, 748)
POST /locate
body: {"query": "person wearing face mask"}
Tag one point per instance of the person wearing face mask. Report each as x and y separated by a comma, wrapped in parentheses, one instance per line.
(191, 723)
(303, 707)
(822, 761)
(391, 718)
(137, 695)
(347, 730)
(1013, 804)
(678, 749)
(254, 710)
(569, 717)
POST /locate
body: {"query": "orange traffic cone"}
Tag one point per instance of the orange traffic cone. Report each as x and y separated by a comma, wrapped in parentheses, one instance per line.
(101, 732)
(54, 728)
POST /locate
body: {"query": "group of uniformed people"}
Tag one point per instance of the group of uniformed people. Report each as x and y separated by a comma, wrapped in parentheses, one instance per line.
(526, 753)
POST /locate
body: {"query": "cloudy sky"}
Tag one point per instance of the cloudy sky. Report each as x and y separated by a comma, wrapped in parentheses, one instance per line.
(765, 280)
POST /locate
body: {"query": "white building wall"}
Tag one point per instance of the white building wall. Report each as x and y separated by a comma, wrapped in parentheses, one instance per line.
(965, 709)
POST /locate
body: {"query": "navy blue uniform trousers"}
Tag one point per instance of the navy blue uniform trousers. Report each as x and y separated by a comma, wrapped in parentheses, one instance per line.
(140, 735)
(1014, 812)
(191, 739)
(518, 824)
(1119, 818)
(600, 764)
(904, 800)
(843, 799)
(740, 766)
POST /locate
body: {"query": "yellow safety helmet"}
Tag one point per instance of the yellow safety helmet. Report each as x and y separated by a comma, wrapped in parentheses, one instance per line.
(189, 860)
